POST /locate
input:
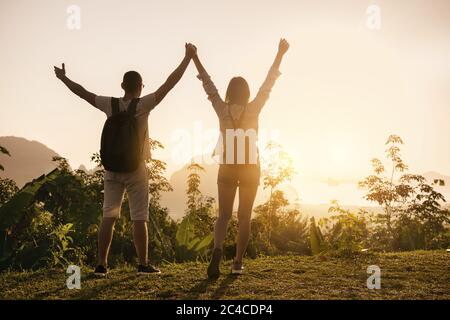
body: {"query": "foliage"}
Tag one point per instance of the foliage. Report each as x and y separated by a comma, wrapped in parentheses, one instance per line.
(42, 244)
(53, 220)
(194, 232)
(162, 229)
(60, 249)
(344, 231)
(3, 150)
(13, 211)
(277, 227)
(413, 217)
(8, 188)
(315, 237)
(35, 221)
(191, 246)
(277, 166)
(289, 229)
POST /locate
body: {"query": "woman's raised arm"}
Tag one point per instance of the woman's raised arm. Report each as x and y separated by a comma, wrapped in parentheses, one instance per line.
(274, 73)
(208, 85)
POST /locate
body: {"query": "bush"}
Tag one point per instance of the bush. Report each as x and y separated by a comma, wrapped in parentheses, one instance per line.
(344, 231)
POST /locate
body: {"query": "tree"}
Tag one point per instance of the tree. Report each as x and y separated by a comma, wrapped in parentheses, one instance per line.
(278, 169)
(289, 228)
(277, 226)
(410, 204)
(162, 229)
(198, 206)
(344, 231)
(194, 232)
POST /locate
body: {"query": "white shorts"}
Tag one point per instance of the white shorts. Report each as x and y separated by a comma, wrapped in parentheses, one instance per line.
(135, 184)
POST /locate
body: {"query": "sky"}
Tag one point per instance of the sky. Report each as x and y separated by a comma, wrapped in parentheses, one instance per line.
(344, 86)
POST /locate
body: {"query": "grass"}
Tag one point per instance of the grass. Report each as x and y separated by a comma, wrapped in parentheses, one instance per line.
(407, 275)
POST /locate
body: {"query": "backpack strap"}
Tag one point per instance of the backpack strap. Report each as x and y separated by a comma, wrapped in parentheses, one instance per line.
(132, 111)
(238, 125)
(132, 107)
(114, 106)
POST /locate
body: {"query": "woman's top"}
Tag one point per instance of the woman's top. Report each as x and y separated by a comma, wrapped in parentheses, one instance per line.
(238, 124)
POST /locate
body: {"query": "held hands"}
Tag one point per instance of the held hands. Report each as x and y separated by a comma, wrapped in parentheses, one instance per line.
(60, 72)
(191, 50)
(283, 46)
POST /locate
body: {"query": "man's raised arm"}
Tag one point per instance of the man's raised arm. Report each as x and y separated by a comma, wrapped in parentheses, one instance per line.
(73, 86)
(176, 75)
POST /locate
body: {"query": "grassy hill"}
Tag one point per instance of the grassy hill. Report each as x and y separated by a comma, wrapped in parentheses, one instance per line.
(409, 275)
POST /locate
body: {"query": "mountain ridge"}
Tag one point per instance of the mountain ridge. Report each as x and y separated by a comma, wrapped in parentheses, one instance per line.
(29, 159)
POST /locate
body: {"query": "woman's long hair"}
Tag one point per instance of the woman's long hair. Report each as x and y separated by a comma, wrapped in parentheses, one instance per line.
(238, 92)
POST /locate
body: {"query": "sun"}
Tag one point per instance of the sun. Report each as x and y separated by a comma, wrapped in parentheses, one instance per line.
(339, 158)
(338, 153)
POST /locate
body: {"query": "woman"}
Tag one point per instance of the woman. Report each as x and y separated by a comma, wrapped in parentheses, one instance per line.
(238, 168)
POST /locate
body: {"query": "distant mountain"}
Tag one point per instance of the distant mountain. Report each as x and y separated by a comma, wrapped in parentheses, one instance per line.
(28, 160)
(441, 183)
(175, 201)
(436, 177)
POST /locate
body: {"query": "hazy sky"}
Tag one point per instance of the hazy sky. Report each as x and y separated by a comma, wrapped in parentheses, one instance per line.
(344, 87)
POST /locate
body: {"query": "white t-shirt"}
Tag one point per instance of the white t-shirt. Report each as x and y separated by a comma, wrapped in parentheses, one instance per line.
(143, 108)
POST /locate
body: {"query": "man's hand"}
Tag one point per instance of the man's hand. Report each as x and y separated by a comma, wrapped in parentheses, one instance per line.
(191, 50)
(60, 72)
(283, 46)
(73, 86)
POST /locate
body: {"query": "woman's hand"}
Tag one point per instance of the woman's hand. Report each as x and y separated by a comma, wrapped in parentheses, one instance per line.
(197, 62)
(283, 46)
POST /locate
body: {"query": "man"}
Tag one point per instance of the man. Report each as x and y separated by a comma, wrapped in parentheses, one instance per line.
(135, 183)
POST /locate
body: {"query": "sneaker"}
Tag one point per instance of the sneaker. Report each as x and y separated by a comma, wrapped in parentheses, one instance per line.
(146, 270)
(237, 268)
(214, 264)
(101, 271)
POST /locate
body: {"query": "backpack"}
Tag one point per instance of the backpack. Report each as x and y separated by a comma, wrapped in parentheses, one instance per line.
(121, 146)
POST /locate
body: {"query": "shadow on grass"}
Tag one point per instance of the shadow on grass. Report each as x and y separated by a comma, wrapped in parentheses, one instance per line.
(94, 292)
(199, 288)
(34, 276)
(223, 286)
(202, 287)
(31, 281)
(86, 293)
(44, 295)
